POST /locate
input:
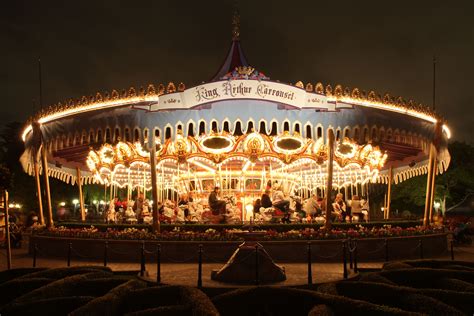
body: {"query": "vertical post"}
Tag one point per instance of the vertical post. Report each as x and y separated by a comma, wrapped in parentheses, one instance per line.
(38, 191)
(199, 283)
(257, 281)
(46, 182)
(344, 259)
(329, 179)
(81, 198)
(142, 259)
(351, 266)
(429, 186)
(310, 270)
(421, 248)
(154, 189)
(389, 193)
(386, 249)
(452, 249)
(106, 246)
(69, 250)
(35, 249)
(355, 256)
(7, 230)
(433, 183)
(158, 264)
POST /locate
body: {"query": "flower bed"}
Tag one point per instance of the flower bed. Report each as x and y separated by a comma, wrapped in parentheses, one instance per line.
(359, 232)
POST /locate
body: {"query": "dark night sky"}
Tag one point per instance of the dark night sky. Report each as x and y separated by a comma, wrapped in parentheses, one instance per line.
(386, 46)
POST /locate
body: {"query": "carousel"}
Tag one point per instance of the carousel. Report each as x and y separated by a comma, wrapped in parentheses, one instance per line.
(241, 132)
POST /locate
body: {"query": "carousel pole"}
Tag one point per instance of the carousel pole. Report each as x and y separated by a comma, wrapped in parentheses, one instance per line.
(154, 189)
(433, 183)
(329, 179)
(46, 182)
(429, 187)
(81, 197)
(389, 193)
(38, 190)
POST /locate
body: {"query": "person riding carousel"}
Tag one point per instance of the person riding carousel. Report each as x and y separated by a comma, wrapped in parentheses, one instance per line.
(216, 205)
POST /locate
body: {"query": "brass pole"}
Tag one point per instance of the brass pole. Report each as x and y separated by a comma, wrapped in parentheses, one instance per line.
(81, 197)
(433, 183)
(329, 179)
(154, 189)
(38, 190)
(389, 192)
(429, 186)
(46, 182)
(7, 230)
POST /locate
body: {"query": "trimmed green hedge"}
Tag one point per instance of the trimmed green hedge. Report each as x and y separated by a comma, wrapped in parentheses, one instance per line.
(111, 303)
(64, 287)
(321, 310)
(421, 277)
(219, 227)
(454, 285)
(17, 287)
(59, 273)
(11, 274)
(290, 301)
(50, 306)
(440, 264)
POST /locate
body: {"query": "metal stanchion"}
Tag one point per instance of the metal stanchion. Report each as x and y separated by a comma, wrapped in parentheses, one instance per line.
(35, 249)
(355, 256)
(106, 246)
(199, 285)
(351, 264)
(452, 249)
(158, 264)
(310, 270)
(142, 260)
(421, 248)
(344, 259)
(69, 249)
(386, 249)
(256, 265)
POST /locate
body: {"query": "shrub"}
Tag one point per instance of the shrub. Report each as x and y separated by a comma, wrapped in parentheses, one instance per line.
(321, 310)
(8, 275)
(49, 306)
(110, 303)
(375, 277)
(171, 310)
(463, 301)
(397, 265)
(18, 287)
(61, 288)
(423, 277)
(59, 273)
(438, 264)
(454, 285)
(288, 301)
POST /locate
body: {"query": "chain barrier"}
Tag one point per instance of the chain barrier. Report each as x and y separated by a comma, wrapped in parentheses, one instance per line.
(75, 252)
(112, 250)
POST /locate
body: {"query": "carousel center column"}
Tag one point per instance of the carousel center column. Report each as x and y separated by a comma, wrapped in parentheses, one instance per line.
(154, 189)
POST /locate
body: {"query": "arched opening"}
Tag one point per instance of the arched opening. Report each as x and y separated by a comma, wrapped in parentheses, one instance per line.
(91, 137)
(309, 132)
(108, 137)
(320, 132)
(167, 133)
(286, 127)
(202, 128)
(127, 134)
(214, 127)
(274, 130)
(262, 129)
(157, 134)
(250, 127)
(136, 135)
(238, 129)
(226, 127)
(99, 136)
(297, 128)
(191, 129)
(117, 134)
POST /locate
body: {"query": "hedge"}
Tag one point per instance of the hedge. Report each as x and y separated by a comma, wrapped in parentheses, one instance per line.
(454, 285)
(59, 273)
(160, 296)
(422, 277)
(111, 303)
(63, 287)
(390, 295)
(11, 274)
(439, 264)
(171, 310)
(289, 301)
(17, 287)
(375, 277)
(321, 310)
(50, 306)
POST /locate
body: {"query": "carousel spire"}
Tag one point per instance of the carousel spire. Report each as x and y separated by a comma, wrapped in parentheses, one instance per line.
(236, 26)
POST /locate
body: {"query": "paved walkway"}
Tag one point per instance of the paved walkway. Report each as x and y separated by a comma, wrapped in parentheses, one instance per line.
(187, 273)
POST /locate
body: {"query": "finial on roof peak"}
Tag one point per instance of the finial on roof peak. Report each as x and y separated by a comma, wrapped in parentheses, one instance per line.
(236, 25)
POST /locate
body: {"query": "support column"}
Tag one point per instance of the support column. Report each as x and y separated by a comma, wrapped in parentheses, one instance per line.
(81, 198)
(389, 193)
(429, 186)
(154, 189)
(38, 191)
(329, 178)
(433, 183)
(50, 222)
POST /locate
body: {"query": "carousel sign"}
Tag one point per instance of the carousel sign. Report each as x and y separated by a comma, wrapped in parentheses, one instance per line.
(243, 89)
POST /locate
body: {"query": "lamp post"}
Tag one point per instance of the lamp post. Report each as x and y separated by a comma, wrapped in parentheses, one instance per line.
(436, 206)
(75, 202)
